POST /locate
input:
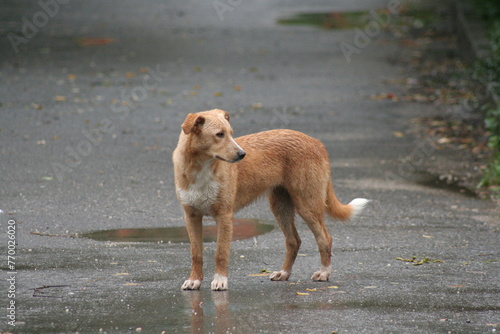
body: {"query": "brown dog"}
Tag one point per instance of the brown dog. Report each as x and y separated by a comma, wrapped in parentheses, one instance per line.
(292, 168)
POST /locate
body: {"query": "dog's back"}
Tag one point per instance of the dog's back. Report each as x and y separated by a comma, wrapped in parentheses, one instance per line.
(291, 160)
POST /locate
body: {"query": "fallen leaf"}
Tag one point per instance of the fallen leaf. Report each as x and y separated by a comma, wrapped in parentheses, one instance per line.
(418, 98)
(121, 274)
(416, 262)
(311, 290)
(444, 140)
(467, 140)
(438, 123)
(237, 88)
(378, 97)
(47, 178)
(456, 286)
(256, 275)
(427, 236)
(71, 77)
(398, 134)
(409, 42)
(428, 260)
(130, 75)
(302, 293)
(333, 287)
(95, 41)
(60, 98)
(385, 96)
(218, 94)
(130, 284)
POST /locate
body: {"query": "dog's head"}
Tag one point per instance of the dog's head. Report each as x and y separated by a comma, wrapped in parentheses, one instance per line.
(212, 135)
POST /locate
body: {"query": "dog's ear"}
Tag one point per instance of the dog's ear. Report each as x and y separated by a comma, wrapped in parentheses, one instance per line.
(226, 115)
(193, 123)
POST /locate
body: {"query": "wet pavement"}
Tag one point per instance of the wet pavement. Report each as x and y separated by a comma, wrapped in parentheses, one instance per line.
(92, 97)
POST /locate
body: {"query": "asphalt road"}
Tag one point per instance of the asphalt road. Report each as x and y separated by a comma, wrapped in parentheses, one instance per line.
(92, 97)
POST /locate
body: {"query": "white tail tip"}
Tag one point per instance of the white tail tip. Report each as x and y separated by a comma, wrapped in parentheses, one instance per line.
(358, 204)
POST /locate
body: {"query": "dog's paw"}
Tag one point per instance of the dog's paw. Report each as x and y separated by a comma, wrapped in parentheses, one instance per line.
(219, 283)
(280, 275)
(191, 285)
(321, 275)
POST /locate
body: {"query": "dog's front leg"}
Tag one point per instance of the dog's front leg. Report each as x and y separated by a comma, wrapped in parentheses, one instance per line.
(194, 227)
(224, 236)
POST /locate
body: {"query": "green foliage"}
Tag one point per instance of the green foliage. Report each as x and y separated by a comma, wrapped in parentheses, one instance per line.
(491, 175)
(488, 70)
(494, 32)
(492, 123)
(488, 9)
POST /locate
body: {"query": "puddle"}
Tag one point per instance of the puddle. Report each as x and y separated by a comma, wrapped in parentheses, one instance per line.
(331, 20)
(360, 19)
(242, 229)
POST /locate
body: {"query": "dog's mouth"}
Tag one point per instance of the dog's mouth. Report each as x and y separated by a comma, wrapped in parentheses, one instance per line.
(240, 156)
(222, 159)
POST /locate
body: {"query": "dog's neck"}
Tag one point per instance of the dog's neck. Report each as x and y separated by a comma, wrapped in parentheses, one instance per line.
(191, 162)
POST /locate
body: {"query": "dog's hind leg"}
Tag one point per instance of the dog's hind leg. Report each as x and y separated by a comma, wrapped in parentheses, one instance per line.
(284, 211)
(312, 211)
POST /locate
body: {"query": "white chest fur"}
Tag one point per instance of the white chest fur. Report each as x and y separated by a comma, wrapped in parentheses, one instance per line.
(203, 192)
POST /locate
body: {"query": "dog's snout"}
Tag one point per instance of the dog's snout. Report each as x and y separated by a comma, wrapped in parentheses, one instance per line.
(241, 154)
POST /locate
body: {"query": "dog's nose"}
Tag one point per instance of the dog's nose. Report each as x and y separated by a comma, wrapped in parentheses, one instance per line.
(241, 154)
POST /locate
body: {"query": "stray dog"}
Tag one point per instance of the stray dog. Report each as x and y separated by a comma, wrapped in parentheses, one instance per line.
(216, 175)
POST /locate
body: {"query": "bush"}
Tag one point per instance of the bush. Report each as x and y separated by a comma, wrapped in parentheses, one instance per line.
(488, 70)
(491, 175)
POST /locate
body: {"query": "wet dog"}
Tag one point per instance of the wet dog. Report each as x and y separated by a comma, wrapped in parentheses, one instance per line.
(216, 175)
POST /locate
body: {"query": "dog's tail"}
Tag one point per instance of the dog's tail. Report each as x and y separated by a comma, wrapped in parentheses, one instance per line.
(340, 211)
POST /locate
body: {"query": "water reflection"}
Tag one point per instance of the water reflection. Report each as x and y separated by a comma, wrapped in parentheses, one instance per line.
(218, 322)
(242, 229)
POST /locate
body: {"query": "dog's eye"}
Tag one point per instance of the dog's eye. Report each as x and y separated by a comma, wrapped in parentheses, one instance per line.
(220, 134)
